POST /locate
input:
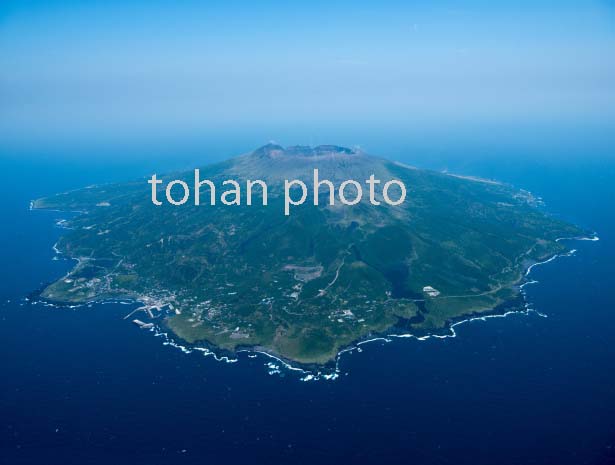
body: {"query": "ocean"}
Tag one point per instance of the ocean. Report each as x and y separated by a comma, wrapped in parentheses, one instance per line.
(85, 386)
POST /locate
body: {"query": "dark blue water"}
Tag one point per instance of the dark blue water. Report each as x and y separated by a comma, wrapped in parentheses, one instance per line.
(84, 386)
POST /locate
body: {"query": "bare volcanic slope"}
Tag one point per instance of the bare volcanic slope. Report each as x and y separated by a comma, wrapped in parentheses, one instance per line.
(305, 285)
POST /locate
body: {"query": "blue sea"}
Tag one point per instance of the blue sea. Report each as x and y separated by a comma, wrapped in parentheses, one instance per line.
(84, 386)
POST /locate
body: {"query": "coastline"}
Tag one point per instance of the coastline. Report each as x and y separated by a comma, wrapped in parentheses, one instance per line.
(308, 372)
(314, 374)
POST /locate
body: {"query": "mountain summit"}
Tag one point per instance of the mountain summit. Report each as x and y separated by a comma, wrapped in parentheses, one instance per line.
(273, 162)
(276, 151)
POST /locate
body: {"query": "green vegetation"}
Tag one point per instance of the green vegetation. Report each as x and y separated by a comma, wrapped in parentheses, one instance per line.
(306, 285)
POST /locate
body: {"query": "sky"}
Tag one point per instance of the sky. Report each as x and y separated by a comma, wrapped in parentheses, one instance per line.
(93, 72)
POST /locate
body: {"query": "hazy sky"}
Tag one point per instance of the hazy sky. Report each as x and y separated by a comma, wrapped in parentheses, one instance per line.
(104, 70)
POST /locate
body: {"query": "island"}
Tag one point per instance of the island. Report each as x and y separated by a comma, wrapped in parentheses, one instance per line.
(305, 286)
